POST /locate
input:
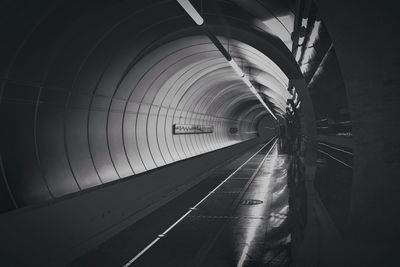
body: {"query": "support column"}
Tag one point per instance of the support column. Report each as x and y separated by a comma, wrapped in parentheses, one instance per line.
(366, 39)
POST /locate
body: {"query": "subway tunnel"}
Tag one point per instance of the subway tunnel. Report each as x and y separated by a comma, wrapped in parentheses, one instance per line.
(199, 133)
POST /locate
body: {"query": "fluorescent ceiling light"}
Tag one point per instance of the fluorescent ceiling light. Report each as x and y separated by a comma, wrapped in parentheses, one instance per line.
(265, 105)
(237, 69)
(247, 81)
(254, 91)
(192, 12)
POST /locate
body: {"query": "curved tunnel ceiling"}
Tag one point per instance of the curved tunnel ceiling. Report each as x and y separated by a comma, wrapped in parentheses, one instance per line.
(96, 101)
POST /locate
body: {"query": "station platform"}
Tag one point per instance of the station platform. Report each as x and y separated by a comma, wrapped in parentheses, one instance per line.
(237, 216)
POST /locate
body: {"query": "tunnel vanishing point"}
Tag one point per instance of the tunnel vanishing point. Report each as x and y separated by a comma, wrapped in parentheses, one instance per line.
(199, 133)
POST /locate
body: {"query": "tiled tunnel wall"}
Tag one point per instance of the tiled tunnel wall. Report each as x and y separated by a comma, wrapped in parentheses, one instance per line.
(88, 101)
(58, 141)
(83, 104)
(90, 95)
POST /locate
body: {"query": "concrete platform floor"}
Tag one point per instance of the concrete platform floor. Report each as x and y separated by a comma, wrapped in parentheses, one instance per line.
(237, 216)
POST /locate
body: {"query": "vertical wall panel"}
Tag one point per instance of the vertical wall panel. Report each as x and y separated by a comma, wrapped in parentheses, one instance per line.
(141, 137)
(161, 135)
(176, 153)
(18, 145)
(50, 138)
(119, 119)
(152, 136)
(131, 145)
(186, 146)
(176, 138)
(98, 139)
(115, 118)
(77, 141)
(195, 137)
(204, 139)
(6, 198)
(208, 120)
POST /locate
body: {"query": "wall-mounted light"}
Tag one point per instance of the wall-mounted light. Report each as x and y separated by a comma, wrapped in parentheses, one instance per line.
(301, 41)
(304, 22)
(295, 97)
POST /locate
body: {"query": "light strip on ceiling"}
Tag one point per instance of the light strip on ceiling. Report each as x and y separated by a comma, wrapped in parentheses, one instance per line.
(250, 85)
(254, 91)
(236, 68)
(246, 80)
(192, 12)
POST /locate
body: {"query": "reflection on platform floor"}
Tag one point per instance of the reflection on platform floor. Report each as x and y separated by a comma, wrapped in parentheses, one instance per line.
(243, 222)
